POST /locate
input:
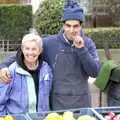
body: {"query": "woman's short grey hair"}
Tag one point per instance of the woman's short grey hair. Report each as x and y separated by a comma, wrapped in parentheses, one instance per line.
(32, 37)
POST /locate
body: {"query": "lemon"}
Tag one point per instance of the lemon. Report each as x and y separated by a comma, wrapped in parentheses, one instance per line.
(85, 117)
(8, 117)
(53, 116)
(2, 118)
(68, 115)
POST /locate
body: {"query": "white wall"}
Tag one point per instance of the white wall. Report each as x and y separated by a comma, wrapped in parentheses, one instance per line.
(35, 4)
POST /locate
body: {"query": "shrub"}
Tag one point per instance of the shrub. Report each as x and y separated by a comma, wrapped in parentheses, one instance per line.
(102, 36)
(116, 24)
(47, 18)
(15, 21)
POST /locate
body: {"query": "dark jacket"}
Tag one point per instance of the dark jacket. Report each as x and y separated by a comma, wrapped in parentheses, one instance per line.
(113, 96)
(71, 69)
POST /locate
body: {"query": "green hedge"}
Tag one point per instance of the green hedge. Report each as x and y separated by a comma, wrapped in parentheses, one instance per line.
(102, 36)
(15, 20)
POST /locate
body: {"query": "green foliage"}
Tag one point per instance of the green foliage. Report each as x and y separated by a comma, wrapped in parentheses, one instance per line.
(116, 23)
(15, 20)
(48, 17)
(102, 36)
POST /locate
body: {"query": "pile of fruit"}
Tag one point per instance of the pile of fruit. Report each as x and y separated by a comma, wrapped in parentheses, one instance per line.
(7, 117)
(67, 116)
(112, 116)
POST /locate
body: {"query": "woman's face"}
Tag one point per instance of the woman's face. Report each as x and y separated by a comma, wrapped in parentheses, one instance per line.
(31, 51)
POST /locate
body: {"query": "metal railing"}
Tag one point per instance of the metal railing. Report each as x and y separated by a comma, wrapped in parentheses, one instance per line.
(6, 45)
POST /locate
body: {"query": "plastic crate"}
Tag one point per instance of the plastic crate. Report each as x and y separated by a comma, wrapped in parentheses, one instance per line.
(19, 117)
(105, 110)
(77, 113)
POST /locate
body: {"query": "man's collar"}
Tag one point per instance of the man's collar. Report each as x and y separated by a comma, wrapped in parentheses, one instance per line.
(66, 39)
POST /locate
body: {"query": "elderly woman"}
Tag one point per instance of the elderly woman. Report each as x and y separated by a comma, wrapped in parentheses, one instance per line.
(31, 80)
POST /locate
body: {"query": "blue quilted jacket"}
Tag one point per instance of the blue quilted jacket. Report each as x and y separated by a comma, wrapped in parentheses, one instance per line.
(19, 95)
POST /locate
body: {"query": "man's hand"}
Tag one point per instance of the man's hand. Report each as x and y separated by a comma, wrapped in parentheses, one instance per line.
(5, 76)
(78, 41)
